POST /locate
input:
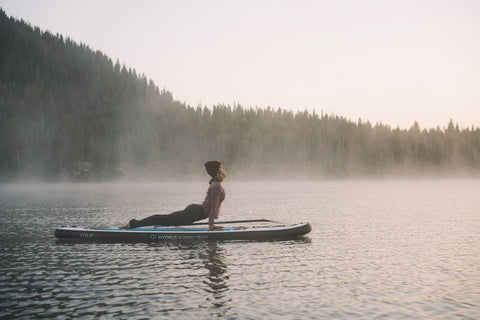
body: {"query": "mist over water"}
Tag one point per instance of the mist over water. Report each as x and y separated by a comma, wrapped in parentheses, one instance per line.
(381, 248)
(389, 249)
(70, 113)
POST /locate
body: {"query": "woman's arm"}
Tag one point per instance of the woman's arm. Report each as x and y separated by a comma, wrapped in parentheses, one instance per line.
(214, 205)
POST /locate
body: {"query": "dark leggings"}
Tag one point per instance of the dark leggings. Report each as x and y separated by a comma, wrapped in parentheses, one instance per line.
(189, 215)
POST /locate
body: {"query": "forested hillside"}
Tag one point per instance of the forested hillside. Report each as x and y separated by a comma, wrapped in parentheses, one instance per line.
(67, 111)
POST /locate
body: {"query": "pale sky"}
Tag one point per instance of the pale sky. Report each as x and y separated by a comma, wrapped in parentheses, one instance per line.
(384, 61)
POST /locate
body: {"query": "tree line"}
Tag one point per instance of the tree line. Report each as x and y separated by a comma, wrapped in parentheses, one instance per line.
(67, 111)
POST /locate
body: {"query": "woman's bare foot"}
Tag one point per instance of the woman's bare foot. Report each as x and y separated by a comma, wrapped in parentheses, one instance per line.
(127, 226)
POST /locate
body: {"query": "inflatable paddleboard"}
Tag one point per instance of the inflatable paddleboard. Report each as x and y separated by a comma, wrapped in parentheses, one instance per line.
(192, 233)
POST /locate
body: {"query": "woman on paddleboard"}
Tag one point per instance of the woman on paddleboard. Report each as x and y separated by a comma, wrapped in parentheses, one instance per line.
(210, 208)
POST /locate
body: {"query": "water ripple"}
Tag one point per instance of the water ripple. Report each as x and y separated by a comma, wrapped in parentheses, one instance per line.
(377, 250)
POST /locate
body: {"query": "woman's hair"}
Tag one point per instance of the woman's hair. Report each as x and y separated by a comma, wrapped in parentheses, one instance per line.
(218, 177)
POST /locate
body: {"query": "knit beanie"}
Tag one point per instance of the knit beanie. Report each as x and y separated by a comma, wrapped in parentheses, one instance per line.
(212, 167)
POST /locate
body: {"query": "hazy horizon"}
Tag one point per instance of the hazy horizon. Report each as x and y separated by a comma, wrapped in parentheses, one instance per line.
(387, 62)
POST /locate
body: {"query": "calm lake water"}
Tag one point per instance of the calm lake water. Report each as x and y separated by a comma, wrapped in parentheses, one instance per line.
(378, 249)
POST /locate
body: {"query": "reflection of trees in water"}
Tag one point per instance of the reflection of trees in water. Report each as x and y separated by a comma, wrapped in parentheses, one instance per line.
(217, 278)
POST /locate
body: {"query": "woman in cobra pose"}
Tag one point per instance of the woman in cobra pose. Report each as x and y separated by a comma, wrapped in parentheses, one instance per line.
(210, 208)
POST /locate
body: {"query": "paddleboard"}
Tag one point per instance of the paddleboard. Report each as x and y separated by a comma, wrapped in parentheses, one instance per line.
(190, 233)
